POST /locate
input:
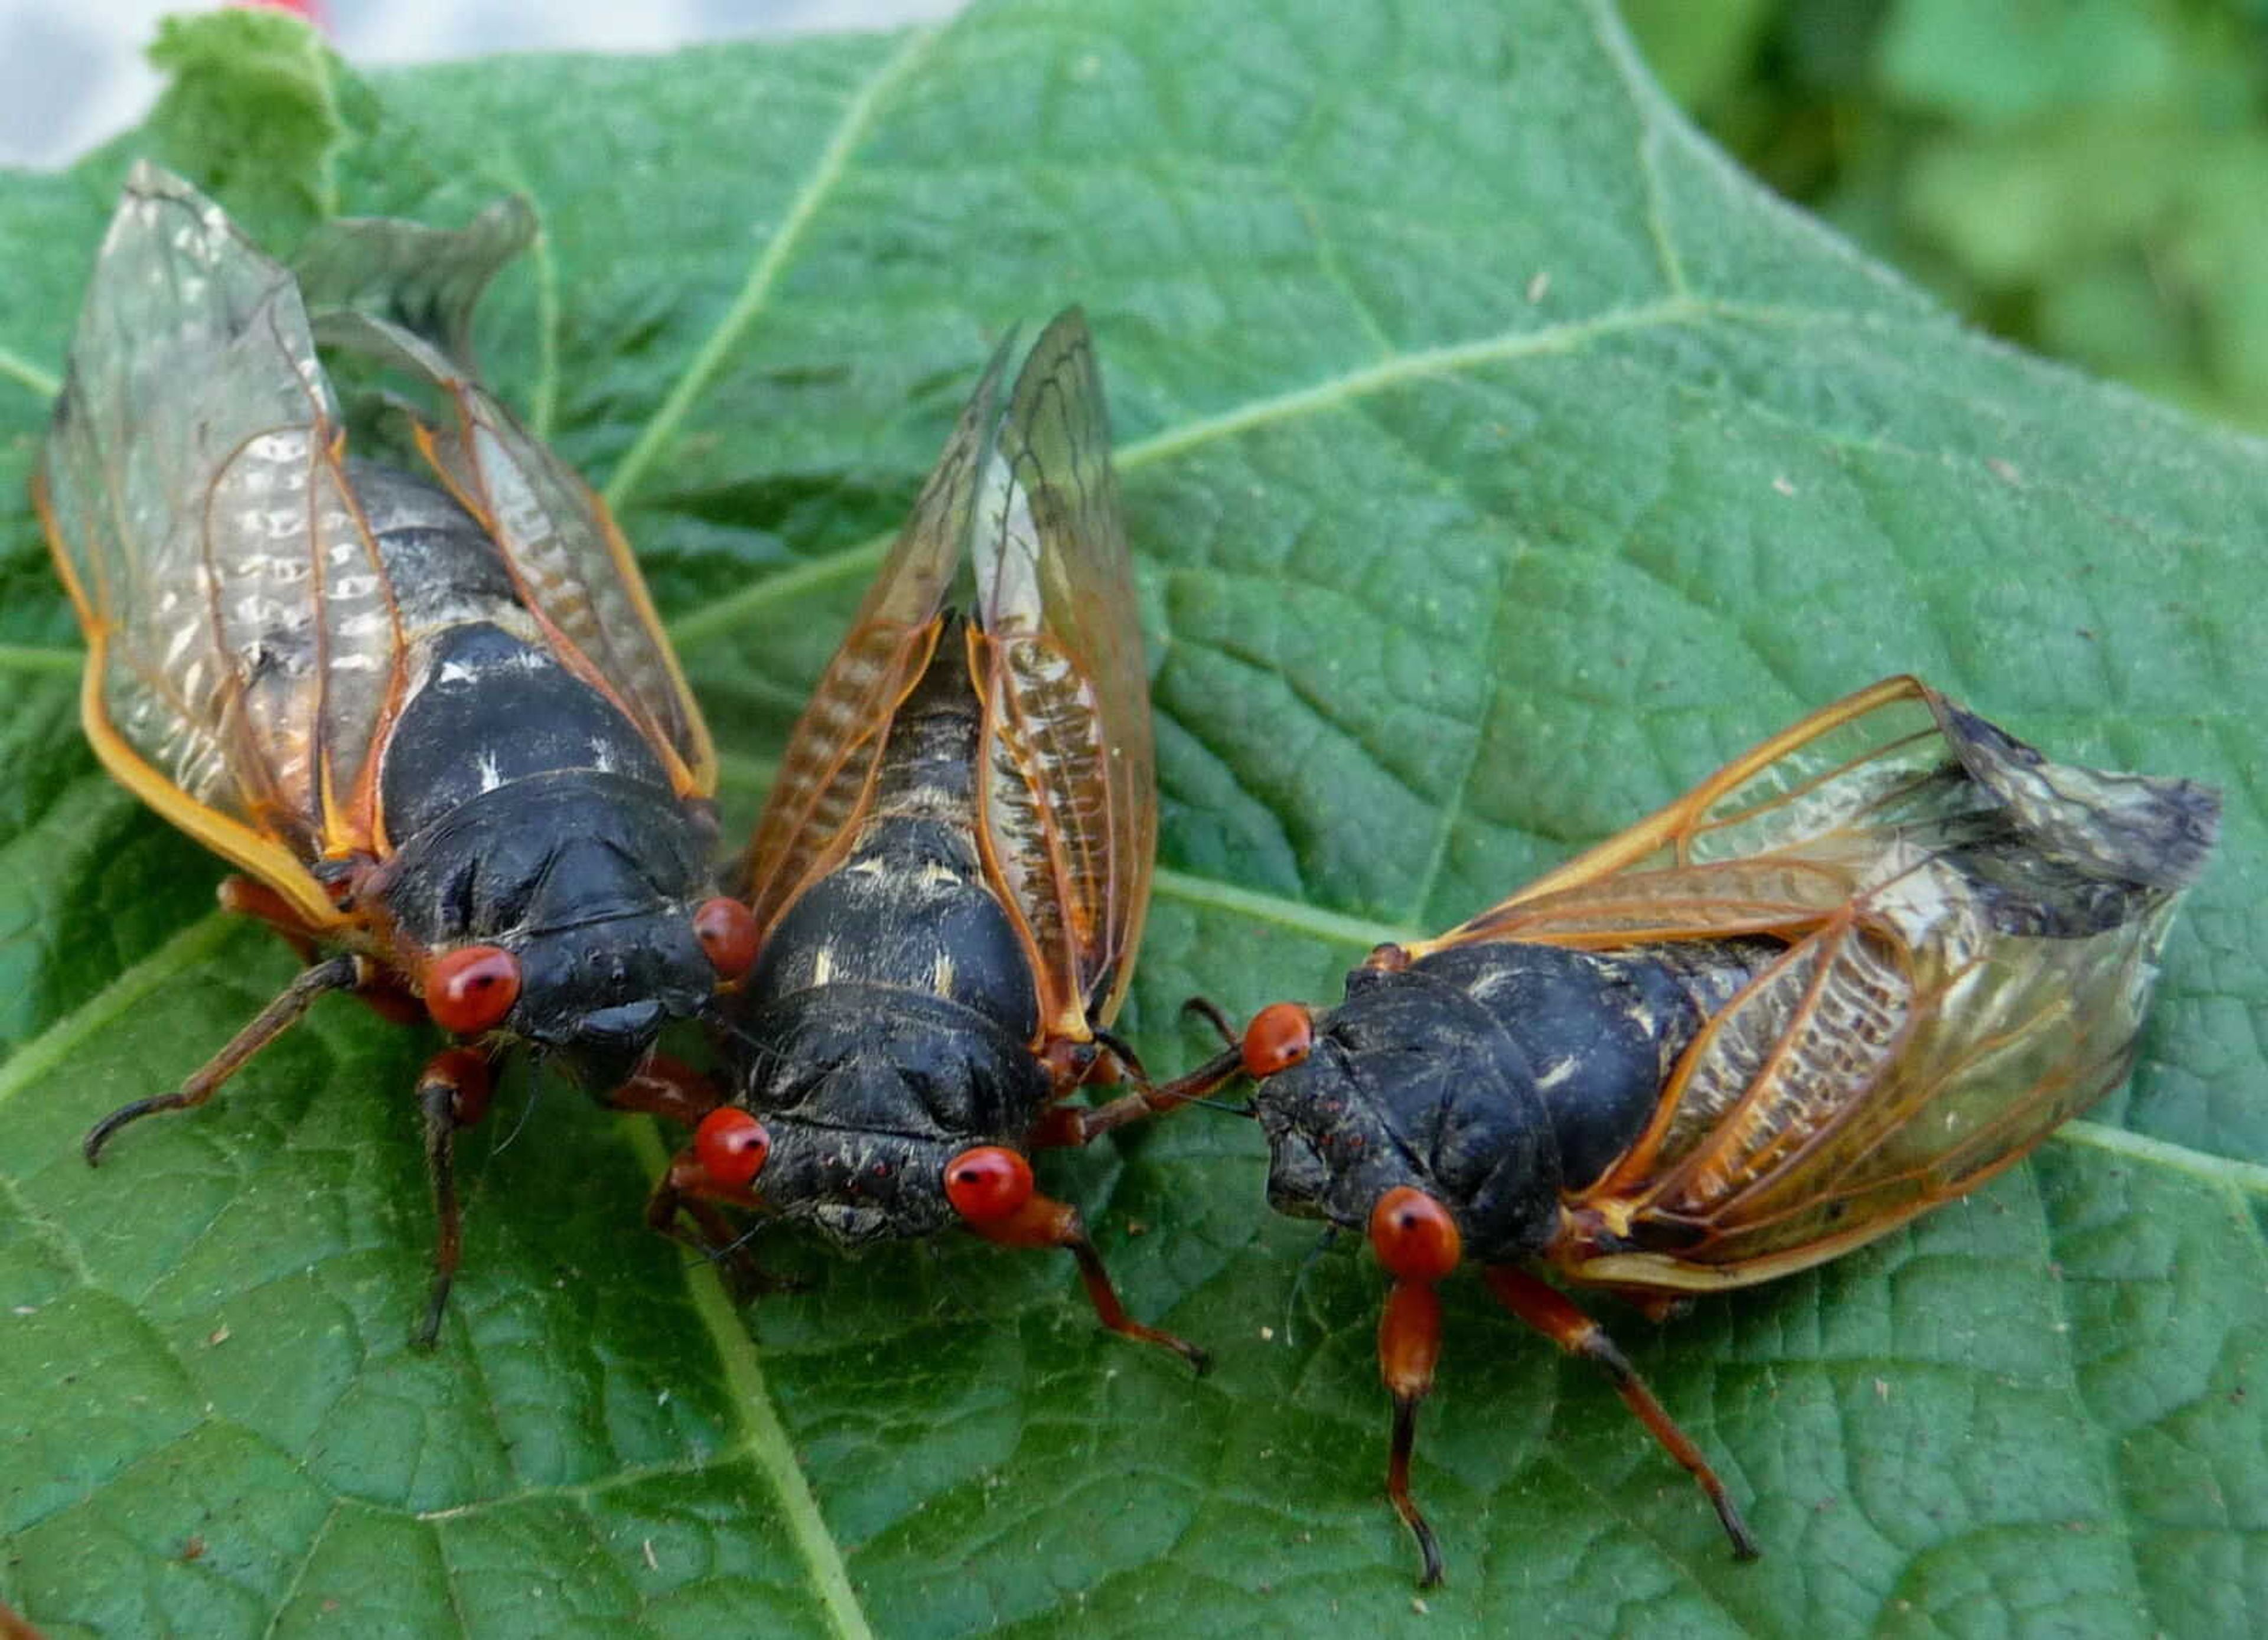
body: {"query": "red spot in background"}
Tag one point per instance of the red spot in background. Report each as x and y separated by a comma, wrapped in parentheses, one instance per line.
(310, 10)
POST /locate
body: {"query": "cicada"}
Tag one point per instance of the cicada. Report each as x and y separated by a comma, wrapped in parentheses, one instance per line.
(424, 707)
(1856, 973)
(949, 877)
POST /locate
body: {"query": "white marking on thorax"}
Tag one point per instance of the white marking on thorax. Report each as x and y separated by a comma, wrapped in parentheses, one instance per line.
(1557, 1074)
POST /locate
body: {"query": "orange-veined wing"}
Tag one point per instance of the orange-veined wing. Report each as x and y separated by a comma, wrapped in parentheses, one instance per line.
(1982, 979)
(826, 780)
(244, 648)
(1770, 843)
(405, 293)
(1067, 787)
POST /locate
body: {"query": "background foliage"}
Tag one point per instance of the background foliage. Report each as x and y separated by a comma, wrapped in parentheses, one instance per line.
(2085, 178)
(1501, 460)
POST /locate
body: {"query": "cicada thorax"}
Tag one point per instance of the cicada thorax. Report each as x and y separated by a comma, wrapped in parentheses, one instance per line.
(889, 1023)
(520, 808)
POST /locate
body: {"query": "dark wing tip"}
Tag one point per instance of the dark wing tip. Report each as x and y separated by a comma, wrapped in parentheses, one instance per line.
(2158, 832)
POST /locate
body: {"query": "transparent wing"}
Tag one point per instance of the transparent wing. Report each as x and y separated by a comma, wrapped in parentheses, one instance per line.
(1775, 839)
(825, 779)
(1068, 791)
(570, 568)
(404, 294)
(1981, 977)
(244, 648)
(426, 281)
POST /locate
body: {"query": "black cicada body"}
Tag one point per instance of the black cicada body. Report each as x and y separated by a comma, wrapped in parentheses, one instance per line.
(428, 713)
(1855, 975)
(950, 877)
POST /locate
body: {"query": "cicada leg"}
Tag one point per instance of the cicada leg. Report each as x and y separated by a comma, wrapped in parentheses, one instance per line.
(1068, 1124)
(1045, 1222)
(338, 973)
(666, 1087)
(453, 1093)
(1071, 1125)
(679, 1193)
(1551, 1313)
(379, 987)
(1409, 1347)
(248, 896)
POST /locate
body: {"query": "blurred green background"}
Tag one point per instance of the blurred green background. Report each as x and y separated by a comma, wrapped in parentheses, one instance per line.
(2088, 178)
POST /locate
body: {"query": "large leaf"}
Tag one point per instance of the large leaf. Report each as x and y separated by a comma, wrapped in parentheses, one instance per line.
(1499, 461)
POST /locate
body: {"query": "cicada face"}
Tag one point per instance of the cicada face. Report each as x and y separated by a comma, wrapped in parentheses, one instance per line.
(583, 899)
(597, 996)
(1405, 1086)
(869, 1096)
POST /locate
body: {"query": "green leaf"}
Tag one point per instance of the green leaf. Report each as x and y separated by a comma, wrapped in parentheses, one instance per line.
(259, 107)
(1500, 461)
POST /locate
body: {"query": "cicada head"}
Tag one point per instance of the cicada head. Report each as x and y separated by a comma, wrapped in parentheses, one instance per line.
(569, 913)
(596, 997)
(1394, 1091)
(888, 1115)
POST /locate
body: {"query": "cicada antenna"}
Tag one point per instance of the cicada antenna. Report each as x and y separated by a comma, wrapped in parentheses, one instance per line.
(537, 1057)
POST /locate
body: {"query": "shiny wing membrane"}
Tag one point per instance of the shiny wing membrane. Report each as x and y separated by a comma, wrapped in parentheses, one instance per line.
(1973, 935)
(405, 293)
(570, 566)
(826, 780)
(243, 646)
(246, 646)
(1067, 794)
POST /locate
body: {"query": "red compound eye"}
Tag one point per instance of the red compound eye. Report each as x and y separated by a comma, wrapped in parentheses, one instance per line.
(728, 931)
(987, 1183)
(1280, 1036)
(731, 1145)
(1415, 1236)
(470, 989)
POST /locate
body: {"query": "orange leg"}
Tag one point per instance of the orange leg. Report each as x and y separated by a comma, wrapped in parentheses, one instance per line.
(1043, 1222)
(680, 1194)
(453, 1093)
(337, 974)
(1551, 1313)
(1409, 1345)
(1071, 1125)
(377, 985)
(248, 896)
(1068, 1124)
(667, 1087)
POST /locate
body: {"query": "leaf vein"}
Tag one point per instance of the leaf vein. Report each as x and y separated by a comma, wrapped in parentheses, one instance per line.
(764, 276)
(16, 368)
(722, 615)
(765, 1437)
(40, 658)
(1645, 105)
(315, 1540)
